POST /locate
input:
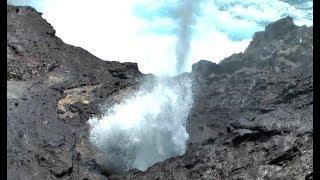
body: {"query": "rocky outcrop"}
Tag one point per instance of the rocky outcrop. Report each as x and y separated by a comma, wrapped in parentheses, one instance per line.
(251, 119)
(252, 114)
(53, 88)
(282, 46)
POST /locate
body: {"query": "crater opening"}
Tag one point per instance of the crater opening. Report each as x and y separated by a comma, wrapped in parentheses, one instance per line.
(145, 128)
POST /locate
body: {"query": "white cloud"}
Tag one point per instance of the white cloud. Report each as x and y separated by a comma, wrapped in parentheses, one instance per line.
(214, 48)
(150, 126)
(111, 30)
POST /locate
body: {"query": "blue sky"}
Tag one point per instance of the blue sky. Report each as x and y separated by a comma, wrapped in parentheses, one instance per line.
(145, 31)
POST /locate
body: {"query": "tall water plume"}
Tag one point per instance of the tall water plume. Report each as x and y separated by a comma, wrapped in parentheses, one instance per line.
(150, 126)
(185, 17)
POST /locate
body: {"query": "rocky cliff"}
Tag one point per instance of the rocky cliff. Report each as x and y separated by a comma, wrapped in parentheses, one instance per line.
(53, 88)
(253, 113)
(251, 119)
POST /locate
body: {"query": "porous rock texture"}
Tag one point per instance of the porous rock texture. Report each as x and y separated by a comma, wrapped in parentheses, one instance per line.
(251, 118)
(252, 113)
(53, 89)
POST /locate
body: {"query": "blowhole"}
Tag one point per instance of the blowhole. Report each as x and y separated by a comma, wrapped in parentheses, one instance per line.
(145, 128)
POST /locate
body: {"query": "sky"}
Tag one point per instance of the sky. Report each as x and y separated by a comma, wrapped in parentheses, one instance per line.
(149, 127)
(148, 31)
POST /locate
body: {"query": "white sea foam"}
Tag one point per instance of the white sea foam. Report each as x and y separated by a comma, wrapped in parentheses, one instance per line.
(146, 128)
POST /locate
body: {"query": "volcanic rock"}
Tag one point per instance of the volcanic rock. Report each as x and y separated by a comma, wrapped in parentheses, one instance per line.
(251, 118)
(252, 114)
(53, 89)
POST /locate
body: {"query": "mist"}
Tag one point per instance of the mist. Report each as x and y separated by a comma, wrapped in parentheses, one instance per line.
(185, 16)
(146, 128)
(160, 32)
(150, 127)
(165, 38)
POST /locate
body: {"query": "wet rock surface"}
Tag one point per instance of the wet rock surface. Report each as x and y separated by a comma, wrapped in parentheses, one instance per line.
(253, 113)
(251, 119)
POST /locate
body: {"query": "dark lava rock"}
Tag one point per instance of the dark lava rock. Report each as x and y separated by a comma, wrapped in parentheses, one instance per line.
(251, 118)
(282, 46)
(53, 89)
(251, 113)
(205, 68)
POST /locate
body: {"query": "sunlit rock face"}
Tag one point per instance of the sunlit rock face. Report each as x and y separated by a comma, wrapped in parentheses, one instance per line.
(146, 128)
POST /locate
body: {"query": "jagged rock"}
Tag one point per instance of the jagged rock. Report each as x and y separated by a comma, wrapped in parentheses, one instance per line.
(251, 117)
(281, 46)
(205, 68)
(53, 89)
(251, 112)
